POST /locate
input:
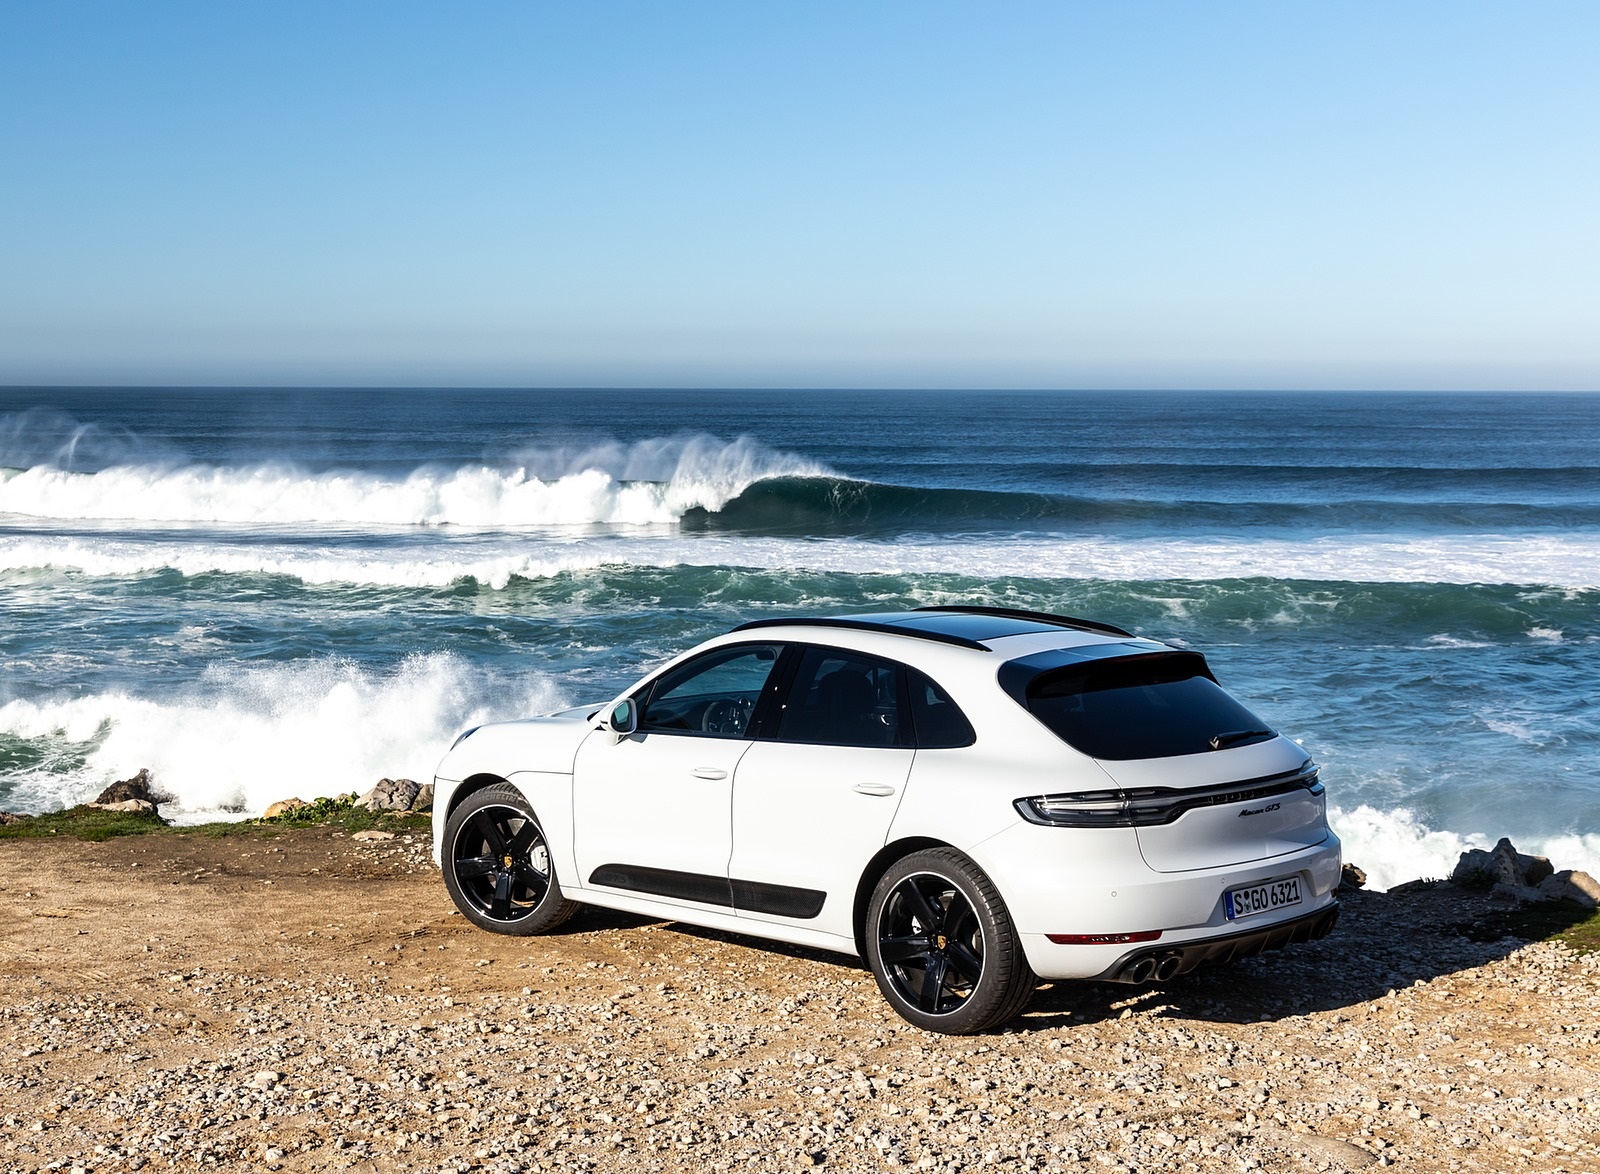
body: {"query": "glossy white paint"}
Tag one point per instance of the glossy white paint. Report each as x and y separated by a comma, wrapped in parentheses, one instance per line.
(657, 801)
(810, 817)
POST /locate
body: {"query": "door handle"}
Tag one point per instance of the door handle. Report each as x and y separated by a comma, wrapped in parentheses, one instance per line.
(873, 789)
(709, 772)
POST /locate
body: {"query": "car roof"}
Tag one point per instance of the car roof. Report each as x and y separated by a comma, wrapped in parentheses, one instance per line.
(964, 626)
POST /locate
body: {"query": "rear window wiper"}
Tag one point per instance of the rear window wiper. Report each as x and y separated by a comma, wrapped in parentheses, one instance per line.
(1218, 741)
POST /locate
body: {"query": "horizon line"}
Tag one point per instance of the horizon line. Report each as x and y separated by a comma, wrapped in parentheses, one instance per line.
(1153, 389)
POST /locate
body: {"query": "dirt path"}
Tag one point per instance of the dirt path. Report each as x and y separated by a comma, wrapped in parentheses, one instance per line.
(311, 1003)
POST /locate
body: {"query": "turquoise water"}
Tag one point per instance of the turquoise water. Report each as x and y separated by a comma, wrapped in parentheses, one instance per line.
(258, 593)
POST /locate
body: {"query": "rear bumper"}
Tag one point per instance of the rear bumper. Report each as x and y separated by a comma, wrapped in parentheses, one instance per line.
(1154, 963)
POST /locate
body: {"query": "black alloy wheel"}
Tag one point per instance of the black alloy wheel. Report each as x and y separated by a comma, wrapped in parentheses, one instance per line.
(941, 945)
(497, 864)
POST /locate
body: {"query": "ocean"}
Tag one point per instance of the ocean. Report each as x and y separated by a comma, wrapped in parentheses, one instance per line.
(265, 593)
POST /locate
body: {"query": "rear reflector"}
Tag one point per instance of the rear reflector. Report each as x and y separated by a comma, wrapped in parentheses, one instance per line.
(1103, 939)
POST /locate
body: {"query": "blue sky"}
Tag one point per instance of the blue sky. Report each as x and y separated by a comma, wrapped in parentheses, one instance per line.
(821, 194)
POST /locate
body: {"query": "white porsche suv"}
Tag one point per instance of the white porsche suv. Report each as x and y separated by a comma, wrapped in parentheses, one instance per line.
(970, 798)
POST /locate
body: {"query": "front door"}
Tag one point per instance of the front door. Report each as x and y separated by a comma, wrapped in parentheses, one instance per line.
(652, 812)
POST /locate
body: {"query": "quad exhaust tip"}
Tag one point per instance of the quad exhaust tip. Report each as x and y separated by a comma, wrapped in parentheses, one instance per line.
(1166, 964)
(1152, 968)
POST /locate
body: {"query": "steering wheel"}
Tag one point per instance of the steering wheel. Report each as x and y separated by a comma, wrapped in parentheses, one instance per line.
(729, 716)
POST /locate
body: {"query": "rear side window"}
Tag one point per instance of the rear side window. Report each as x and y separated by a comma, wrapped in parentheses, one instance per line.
(841, 698)
(1156, 706)
(940, 724)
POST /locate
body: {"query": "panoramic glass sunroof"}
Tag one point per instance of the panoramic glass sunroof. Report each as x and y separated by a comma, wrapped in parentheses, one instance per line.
(970, 627)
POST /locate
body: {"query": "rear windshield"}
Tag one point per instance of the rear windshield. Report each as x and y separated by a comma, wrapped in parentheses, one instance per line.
(1155, 706)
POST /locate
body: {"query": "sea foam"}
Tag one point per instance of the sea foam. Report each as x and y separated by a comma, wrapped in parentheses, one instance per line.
(1569, 562)
(246, 737)
(1393, 846)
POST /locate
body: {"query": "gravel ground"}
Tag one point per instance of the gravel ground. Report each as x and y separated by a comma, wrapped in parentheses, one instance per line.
(311, 1003)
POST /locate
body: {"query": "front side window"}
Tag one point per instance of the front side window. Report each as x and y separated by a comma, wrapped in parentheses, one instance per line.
(714, 694)
(841, 698)
(1155, 706)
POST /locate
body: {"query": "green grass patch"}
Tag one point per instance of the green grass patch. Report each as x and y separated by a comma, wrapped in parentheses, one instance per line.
(83, 823)
(1542, 921)
(1583, 936)
(90, 823)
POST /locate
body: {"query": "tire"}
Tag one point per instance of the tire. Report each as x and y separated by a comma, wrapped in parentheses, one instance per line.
(941, 945)
(497, 865)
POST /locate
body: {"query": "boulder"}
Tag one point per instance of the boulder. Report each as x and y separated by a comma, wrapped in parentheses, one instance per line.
(6, 819)
(1508, 873)
(1536, 869)
(138, 787)
(1476, 869)
(424, 801)
(372, 836)
(1568, 885)
(392, 795)
(143, 806)
(1352, 878)
(283, 807)
(1500, 865)
(1523, 893)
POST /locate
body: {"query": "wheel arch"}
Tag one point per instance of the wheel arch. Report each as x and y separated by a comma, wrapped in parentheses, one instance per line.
(470, 786)
(881, 862)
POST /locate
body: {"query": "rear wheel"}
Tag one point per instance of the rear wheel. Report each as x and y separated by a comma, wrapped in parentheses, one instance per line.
(497, 864)
(941, 945)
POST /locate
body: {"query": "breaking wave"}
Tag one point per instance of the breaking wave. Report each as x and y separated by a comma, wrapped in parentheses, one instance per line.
(648, 482)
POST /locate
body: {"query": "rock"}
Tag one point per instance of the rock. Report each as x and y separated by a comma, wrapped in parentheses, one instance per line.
(1351, 878)
(424, 800)
(1509, 873)
(1535, 869)
(372, 834)
(140, 805)
(391, 795)
(1502, 867)
(1420, 885)
(284, 807)
(138, 787)
(1568, 885)
(1523, 893)
(1475, 869)
(6, 818)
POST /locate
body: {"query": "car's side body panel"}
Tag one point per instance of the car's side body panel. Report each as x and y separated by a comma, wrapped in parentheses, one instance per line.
(653, 801)
(716, 917)
(811, 817)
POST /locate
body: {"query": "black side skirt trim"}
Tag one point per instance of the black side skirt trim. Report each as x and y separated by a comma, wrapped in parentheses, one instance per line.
(745, 896)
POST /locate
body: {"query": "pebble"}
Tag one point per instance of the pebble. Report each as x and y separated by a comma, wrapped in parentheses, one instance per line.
(1392, 1043)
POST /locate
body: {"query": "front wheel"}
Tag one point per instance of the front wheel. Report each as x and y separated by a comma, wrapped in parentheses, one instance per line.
(497, 864)
(941, 945)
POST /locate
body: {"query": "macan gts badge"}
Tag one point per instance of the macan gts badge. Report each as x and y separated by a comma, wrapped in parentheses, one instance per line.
(969, 798)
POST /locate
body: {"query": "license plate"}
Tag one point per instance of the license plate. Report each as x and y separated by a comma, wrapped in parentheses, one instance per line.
(1278, 894)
